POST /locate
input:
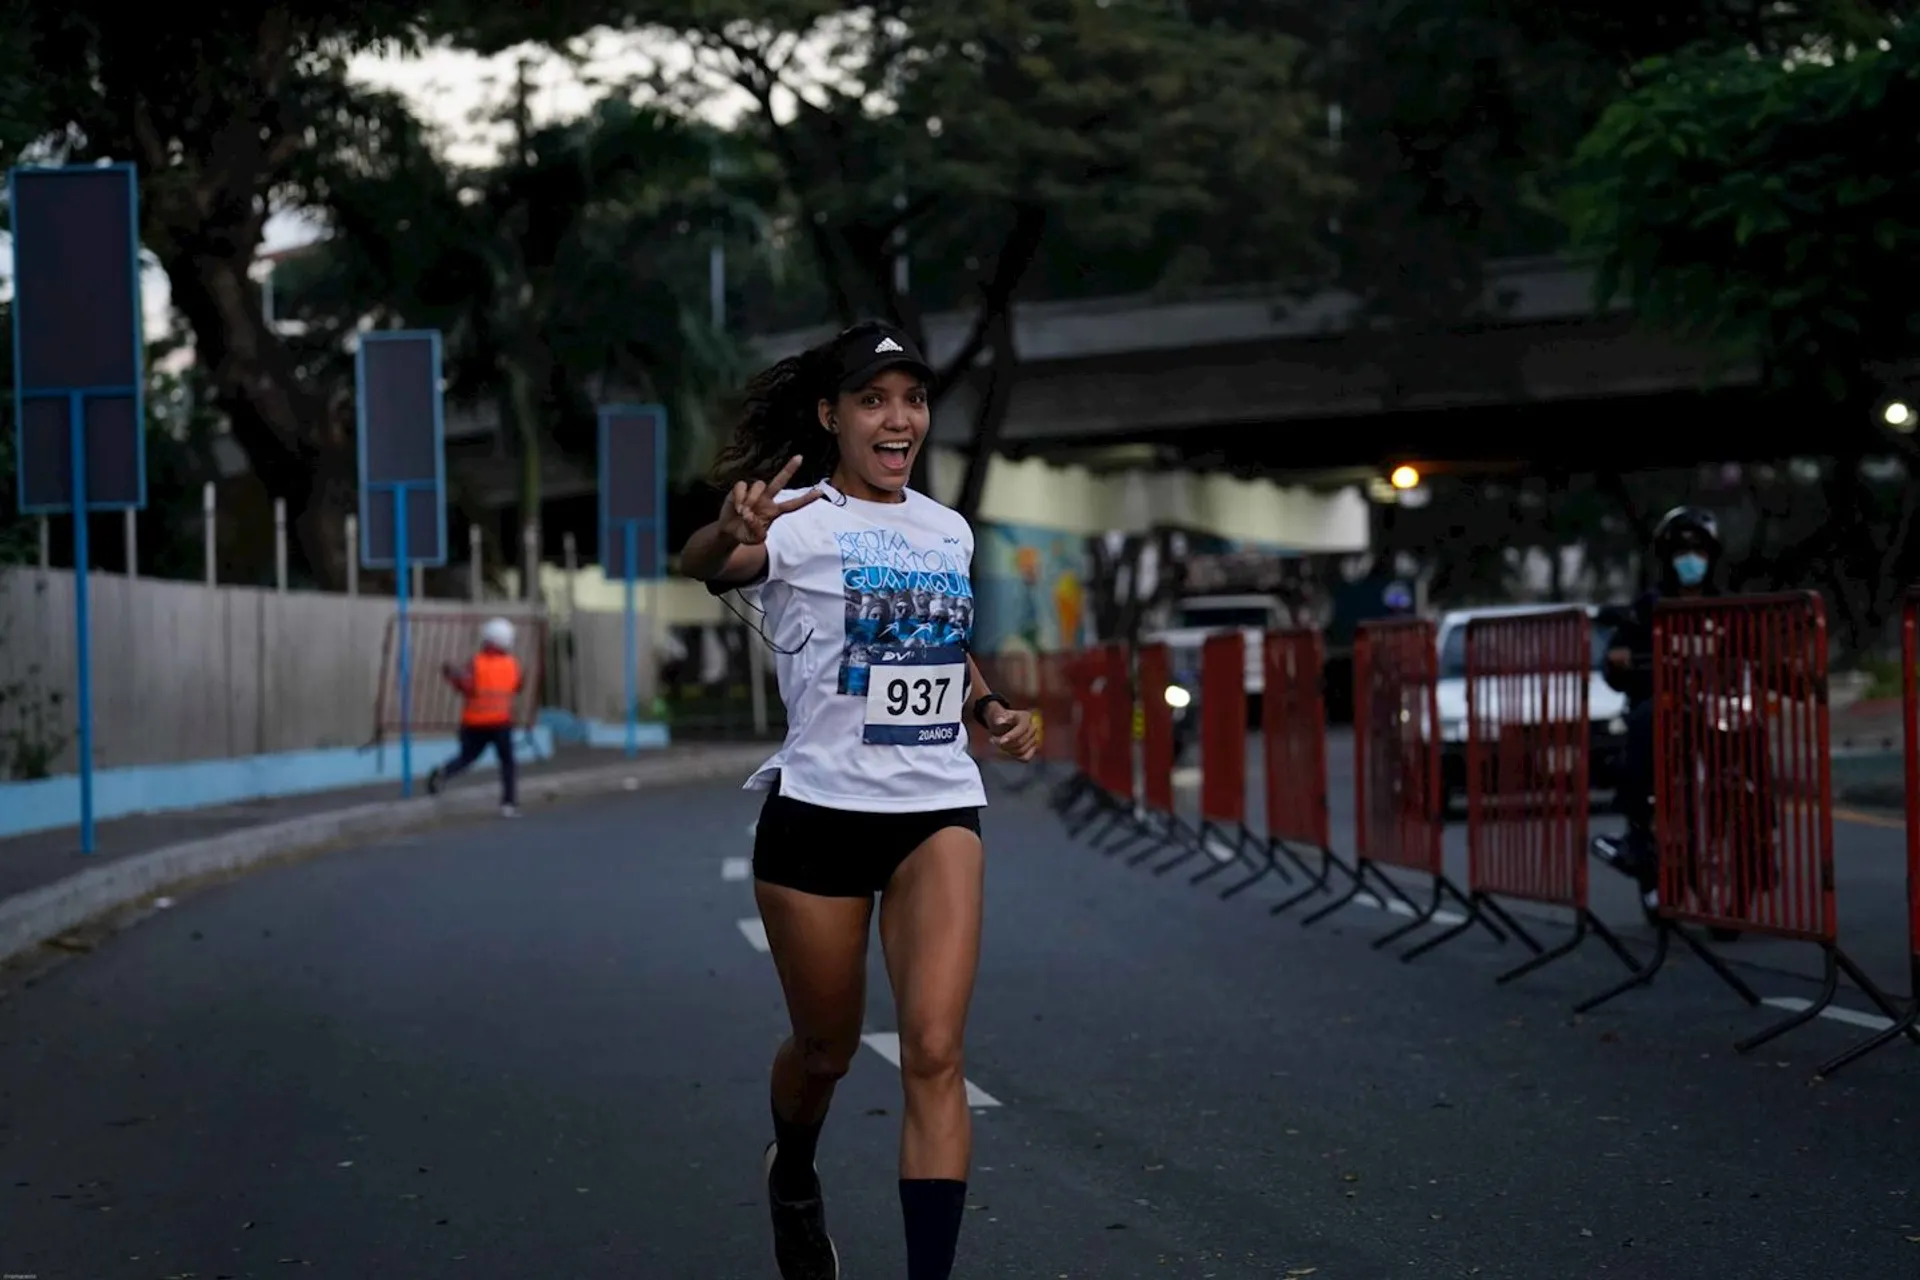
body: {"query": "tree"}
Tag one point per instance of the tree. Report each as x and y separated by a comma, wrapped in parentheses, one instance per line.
(970, 134)
(1766, 205)
(559, 275)
(221, 106)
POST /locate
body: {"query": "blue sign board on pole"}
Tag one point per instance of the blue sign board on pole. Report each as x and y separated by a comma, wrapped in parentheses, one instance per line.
(633, 519)
(403, 479)
(79, 367)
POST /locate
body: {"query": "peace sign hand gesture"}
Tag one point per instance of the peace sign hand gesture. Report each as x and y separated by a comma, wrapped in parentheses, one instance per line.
(746, 513)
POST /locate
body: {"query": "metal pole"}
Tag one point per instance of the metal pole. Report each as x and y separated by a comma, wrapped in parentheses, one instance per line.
(757, 673)
(212, 539)
(420, 581)
(570, 550)
(570, 679)
(353, 555)
(82, 621)
(132, 526)
(473, 560)
(46, 544)
(406, 638)
(530, 561)
(630, 531)
(280, 544)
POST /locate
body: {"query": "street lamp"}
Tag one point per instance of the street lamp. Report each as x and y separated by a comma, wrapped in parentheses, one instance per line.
(1898, 415)
(1404, 477)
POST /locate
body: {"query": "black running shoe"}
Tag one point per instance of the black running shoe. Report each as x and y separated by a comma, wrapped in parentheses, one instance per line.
(435, 780)
(1626, 853)
(802, 1249)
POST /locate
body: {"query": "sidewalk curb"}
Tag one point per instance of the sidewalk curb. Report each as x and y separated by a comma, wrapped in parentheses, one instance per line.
(40, 915)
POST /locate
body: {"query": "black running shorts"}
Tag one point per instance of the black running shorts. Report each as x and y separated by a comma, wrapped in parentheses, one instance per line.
(840, 853)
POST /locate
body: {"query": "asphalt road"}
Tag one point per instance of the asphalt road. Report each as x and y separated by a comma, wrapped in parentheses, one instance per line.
(539, 1049)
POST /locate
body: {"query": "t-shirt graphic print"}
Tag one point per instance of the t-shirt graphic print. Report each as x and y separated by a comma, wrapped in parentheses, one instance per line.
(902, 594)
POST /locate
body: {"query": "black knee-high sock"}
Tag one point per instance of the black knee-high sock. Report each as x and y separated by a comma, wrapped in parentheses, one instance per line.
(793, 1175)
(932, 1208)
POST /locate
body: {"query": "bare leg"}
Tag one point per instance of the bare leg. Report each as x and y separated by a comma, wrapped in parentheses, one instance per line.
(930, 929)
(819, 948)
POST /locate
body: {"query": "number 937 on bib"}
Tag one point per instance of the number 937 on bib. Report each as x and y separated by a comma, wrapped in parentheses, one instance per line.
(915, 696)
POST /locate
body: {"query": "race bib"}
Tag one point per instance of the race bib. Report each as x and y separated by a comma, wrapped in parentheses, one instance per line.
(915, 696)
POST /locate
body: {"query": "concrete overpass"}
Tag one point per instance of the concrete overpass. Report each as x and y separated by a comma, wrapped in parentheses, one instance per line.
(1253, 381)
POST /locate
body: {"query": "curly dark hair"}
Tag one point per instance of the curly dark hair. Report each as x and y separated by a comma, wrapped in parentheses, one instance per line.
(779, 416)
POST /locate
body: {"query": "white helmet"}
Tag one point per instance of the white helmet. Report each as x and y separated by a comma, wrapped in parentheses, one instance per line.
(498, 633)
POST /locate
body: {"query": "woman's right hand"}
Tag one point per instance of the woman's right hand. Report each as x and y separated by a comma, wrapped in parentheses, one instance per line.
(747, 512)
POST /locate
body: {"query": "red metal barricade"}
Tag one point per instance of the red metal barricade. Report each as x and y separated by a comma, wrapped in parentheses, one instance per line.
(1293, 725)
(1086, 713)
(1059, 734)
(1743, 794)
(1742, 786)
(1223, 730)
(1396, 744)
(1015, 676)
(1528, 749)
(441, 638)
(1156, 747)
(1103, 697)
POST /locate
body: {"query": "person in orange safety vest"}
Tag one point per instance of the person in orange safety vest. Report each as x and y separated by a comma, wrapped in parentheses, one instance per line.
(489, 682)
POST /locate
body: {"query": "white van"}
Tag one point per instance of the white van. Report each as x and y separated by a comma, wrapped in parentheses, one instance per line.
(1606, 708)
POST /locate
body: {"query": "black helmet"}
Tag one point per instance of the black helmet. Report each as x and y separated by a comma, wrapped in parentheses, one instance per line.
(1687, 528)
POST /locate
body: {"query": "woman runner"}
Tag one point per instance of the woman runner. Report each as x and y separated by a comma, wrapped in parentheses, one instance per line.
(873, 791)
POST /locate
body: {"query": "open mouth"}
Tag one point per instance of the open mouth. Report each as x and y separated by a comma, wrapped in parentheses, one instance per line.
(893, 456)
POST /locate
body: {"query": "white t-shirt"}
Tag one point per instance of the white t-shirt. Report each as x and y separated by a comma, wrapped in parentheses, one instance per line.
(869, 606)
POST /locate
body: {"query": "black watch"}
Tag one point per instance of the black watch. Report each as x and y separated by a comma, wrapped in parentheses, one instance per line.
(980, 708)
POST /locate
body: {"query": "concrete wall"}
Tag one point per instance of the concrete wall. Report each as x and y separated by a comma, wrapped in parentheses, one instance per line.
(185, 672)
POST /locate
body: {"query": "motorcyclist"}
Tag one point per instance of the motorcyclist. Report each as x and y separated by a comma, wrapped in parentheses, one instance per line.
(1687, 553)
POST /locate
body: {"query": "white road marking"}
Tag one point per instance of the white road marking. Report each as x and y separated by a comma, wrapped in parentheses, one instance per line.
(1400, 908)
(887, 1045)
(755, 932)
(736, 868)
(1220, 851)
(1852, 1017)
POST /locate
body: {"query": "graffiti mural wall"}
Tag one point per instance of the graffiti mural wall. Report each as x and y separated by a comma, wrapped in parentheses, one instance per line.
(1030, 589)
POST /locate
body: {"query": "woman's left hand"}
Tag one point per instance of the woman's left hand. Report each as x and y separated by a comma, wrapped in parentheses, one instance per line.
(1014, 734)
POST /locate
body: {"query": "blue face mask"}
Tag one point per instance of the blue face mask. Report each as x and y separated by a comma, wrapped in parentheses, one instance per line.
(1690, 568)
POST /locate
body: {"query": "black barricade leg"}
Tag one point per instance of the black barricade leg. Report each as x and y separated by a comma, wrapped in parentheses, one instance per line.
(1328, 865)
(1421, 916)
(1584, 923)
(1120, 814)
(1361, 868)
(1477, 908)
(1829, 987)
(1151, 827)
(1642, 975)
(1665, 932)
(1907, 1024)
(1266, 864)
(1193, 846)
(1126, 823)
(1837, 962)
(1237, 857)
(1171, 832)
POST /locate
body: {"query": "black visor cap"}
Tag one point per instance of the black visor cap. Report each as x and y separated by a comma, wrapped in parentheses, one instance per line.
(865, 351)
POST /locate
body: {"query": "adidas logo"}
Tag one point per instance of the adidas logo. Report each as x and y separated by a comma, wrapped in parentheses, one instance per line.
(886, 345)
